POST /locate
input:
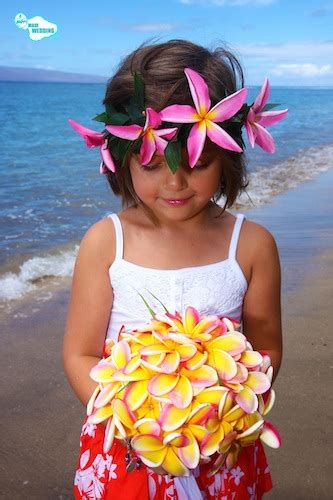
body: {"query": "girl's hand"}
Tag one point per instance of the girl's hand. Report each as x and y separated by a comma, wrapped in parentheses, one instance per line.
(159, 470)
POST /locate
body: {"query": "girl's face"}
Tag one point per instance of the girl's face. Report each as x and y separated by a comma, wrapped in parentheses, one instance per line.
(178, 196)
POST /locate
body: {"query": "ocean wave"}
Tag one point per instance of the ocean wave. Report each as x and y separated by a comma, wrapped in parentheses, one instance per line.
(35, 271)
(267, 182)
(264, 184)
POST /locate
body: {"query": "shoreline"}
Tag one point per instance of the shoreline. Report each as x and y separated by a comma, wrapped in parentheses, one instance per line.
(34, 268)
(42, 419)
(284, 217)
(301, 468)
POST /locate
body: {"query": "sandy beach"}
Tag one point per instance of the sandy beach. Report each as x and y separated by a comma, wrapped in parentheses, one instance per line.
(41, 418)
(301, 468)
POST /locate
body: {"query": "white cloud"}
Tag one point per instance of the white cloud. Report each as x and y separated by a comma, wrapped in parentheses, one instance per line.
(44, 66)
(296, 63)
(221, 3)
(152, 27)
(305, 70)
(285, 52)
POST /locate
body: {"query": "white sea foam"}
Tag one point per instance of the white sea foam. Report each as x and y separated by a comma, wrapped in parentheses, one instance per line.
(267, 182)
(16, 285)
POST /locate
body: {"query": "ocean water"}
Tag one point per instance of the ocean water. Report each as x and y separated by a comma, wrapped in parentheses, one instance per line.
(51, 190)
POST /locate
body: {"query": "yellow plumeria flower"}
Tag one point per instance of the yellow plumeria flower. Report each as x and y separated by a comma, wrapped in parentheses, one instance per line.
(162, 451)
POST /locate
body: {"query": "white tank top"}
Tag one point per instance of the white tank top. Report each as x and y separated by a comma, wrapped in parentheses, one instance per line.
(217, 288)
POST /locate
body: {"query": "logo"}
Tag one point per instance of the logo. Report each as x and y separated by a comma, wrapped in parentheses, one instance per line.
(21, 21)
(37, 26)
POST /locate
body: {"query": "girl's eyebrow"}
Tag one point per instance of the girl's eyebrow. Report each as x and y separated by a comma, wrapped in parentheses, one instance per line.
(156, 156)
(206, 156)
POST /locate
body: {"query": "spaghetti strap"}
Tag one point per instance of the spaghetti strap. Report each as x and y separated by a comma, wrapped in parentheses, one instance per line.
(235, 236)
(119, 236)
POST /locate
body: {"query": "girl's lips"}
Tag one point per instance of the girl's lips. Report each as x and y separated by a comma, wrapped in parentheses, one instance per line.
(177, 202)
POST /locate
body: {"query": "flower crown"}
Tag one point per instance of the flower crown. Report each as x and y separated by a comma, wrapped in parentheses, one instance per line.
(136, 129)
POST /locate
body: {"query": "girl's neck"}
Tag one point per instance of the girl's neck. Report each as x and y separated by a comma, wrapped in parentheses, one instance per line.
(202, 219)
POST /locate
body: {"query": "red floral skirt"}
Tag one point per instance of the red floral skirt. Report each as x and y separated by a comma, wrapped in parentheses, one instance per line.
(103, 475)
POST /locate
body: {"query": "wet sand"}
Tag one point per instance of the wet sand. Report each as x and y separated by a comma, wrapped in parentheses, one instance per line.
(41, 418)
(301, 468)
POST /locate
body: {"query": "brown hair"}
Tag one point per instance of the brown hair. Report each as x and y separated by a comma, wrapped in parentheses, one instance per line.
(161, 67)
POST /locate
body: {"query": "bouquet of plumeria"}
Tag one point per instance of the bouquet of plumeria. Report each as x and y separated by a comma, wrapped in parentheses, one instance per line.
(182, 390)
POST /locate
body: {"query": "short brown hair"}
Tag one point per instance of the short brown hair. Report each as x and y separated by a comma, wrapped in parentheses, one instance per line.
(161, 67)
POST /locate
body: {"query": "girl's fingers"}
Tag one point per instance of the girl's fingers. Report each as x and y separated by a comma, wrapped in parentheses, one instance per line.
(159, 470)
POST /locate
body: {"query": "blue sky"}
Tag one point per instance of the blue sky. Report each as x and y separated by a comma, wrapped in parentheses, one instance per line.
(290, 41)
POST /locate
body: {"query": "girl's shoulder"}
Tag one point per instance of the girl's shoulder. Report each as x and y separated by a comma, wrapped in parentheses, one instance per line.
(255, 234)
(257, 248)
(256, 238)
(99, 241)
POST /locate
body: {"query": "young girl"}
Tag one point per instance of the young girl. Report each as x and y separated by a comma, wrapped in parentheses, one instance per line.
(172, 239)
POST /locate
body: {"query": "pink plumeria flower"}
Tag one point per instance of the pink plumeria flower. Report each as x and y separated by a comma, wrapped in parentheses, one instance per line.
(270, 435)
(94, 139)
(205, 117)
(152, 139)
(257, 120)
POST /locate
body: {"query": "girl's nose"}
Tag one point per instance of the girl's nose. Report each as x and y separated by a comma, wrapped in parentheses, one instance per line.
(176, 181)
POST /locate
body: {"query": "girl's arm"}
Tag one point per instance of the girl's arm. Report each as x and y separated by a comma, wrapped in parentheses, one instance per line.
(89, 308)
(262, 302)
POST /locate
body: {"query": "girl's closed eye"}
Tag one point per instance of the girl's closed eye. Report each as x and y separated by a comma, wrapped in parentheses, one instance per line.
(202, 165)
(154, 166)
(150, 166)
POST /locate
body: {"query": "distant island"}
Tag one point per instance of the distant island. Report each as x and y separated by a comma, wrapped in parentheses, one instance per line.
(14, 74)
